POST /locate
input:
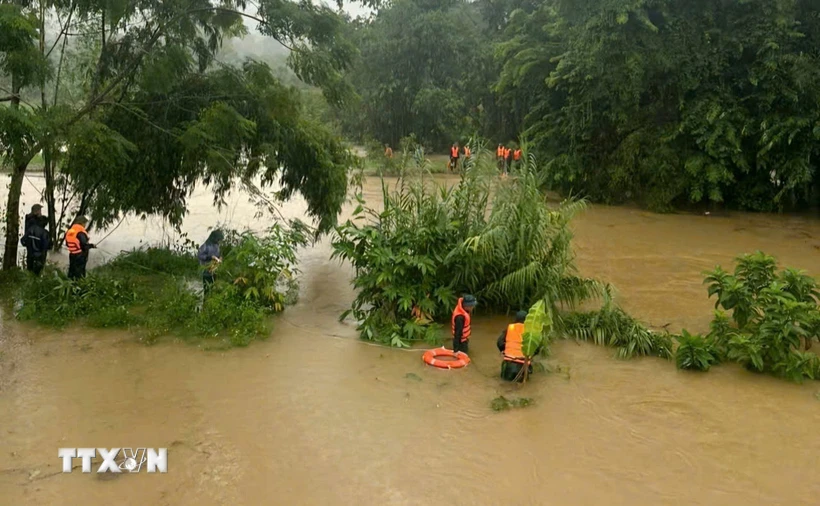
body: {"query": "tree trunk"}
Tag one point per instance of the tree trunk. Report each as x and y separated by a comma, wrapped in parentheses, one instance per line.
(51, 201)
(13, 217)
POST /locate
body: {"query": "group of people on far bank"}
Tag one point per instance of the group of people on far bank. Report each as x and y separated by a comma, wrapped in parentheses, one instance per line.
(506, 157)
(510, 343)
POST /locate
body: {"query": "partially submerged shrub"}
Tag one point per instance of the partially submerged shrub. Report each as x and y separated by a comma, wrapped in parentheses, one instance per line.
(429, 244)
(775, 317)
(501, 403)
(694, 352)
(157, 290)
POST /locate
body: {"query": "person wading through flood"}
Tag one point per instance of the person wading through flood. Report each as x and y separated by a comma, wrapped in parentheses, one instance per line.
(78, 243)
(510, 344)
(460, 323)
(36, 240)
(453, 156)
(208, 256)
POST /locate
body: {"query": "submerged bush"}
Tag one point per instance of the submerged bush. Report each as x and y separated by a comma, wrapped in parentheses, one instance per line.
(611, 326)
(428, 244)
(775, 317)
(694, 352)
(157, 291)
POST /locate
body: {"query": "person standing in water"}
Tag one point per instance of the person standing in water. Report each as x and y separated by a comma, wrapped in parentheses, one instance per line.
(460, 323)
(207, 254)
(510, 344)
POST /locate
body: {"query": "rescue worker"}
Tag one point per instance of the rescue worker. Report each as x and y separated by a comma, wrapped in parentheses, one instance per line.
(517, 154)
(460, 323)
(467, 152)
(499, 157)
(388, 151)
(510, 344)
(507, 160)
(36, 240)
(208, 254)
(78, 243)
(453, 156)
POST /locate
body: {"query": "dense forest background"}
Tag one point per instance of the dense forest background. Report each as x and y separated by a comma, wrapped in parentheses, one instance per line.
(664, 102)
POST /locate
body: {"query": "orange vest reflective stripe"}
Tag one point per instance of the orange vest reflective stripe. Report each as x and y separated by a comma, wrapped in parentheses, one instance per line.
(460, 311)
(454, 152)
(513, 343)
(72, 241)
(517, 154)
(500, 151)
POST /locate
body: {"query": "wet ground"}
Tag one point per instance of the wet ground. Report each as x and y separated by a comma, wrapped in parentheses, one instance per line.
(315, 416)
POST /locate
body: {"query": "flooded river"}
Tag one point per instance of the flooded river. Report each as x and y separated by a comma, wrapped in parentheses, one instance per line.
(314, 416)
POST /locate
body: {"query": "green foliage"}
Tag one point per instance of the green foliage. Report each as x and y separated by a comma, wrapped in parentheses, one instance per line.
(151, 291)
(669, 102)
(611, 326)
(501, 403)
(776, 317)
(537, 325)
(263, 268)
(429, 244)
(694, 352)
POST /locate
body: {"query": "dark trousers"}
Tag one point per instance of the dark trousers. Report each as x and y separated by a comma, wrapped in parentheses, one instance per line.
(459, 345)
(510, 370)
(207, 280)
(76, 265)
(35, 263)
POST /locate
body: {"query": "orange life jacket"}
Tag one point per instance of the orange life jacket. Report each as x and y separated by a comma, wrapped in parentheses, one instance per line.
(460, 311)
(499, 152)
(506, 152)
(454, 152)
(513, 343)
(466, 152)
(72, 241)
(517, 154)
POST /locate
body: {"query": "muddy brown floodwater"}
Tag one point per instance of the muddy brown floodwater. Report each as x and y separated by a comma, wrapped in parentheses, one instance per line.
(314, 416)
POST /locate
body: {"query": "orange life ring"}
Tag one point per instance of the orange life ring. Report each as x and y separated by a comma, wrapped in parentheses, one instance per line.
(431, 357)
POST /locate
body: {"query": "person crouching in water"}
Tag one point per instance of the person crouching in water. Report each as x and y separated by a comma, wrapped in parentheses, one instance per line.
(510, 344)
(460, 323)
(78, 243)
(207, 254)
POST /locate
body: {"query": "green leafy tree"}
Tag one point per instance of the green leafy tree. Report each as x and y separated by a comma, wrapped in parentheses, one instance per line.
(153, 112)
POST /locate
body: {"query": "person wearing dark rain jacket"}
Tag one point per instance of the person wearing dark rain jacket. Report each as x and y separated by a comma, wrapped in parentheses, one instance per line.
(208, 253)
(78, 243)
(460, 323)
(36, 240)
(510, 344)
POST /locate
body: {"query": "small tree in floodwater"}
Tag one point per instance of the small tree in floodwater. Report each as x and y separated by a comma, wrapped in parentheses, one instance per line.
(775, 319)
(498, 239)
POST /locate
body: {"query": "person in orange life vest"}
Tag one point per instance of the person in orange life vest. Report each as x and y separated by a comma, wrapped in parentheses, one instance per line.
(467, 152)
(507, 156)
(460, 323)
(453, 156)
(78, 243)
(517, 155)
(509, 344)
(388, 151)
(499, 156)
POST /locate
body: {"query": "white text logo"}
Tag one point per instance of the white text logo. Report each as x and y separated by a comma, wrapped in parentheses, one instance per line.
(130, 459)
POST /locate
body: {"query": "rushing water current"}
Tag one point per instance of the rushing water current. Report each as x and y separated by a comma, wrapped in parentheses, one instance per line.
(314, 416)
